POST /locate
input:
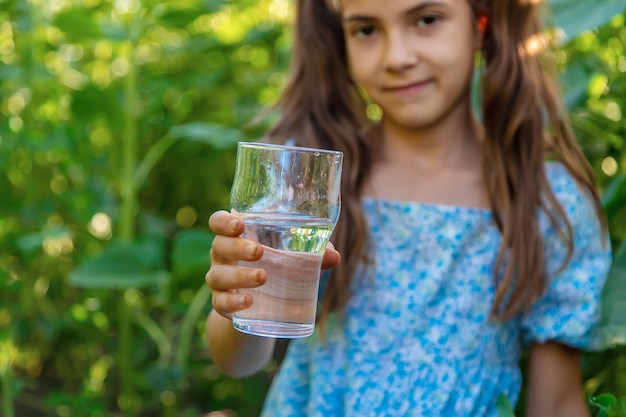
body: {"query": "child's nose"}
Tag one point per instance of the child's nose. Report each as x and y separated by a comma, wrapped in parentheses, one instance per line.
(400, 54)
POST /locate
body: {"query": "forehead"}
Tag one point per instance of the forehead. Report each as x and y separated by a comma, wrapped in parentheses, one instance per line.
(383, 7)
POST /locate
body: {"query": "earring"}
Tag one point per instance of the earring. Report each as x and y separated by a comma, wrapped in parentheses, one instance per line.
(374, 112)
(479, 70)
(483, 21)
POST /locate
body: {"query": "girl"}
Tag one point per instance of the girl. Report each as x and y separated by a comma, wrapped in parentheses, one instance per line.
(461, 244)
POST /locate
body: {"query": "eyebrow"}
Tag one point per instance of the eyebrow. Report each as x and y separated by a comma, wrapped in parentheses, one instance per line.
(412, 10)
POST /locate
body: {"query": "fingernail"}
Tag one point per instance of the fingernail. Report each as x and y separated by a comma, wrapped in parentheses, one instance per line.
(252, 250)
(233, 224)
(242, 300)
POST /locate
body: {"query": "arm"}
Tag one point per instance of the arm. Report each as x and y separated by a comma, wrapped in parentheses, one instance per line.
(234, 353)
(555, 386)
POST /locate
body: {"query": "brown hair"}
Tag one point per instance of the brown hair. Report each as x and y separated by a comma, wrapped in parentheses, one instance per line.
(322, 107)
(525, 124)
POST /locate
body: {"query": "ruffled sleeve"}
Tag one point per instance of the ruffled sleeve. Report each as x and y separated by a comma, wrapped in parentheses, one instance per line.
(569, 311)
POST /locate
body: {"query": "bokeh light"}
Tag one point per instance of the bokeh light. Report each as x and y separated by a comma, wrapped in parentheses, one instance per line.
(100, 226)
(186, 216)
(610, 166)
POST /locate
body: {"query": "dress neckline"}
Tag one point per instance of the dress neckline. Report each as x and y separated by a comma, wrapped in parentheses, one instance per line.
(447, 208)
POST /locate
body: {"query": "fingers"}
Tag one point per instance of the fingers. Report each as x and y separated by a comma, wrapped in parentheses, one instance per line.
(225, 277)
(331, 258)
(227, 246)
(226, 304)
(227, 224)
(229, 250)
(223, 280)
(229, 277)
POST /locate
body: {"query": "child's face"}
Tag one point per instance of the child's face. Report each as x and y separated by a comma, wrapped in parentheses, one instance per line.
(414, 58)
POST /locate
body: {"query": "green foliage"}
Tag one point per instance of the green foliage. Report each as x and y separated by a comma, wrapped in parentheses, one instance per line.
(568, 15)
(607, 405)
(106, 106)
(122, 265)
(504, 407)
(118, 125)
(615, 302)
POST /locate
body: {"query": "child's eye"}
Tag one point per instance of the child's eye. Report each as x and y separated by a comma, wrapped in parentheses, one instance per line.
(364, 31)
(427, 20)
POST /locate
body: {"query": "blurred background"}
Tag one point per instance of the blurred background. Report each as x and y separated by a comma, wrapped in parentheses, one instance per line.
(118, 126)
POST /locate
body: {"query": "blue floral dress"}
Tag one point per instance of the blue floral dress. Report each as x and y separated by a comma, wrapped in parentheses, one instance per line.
(416, 338)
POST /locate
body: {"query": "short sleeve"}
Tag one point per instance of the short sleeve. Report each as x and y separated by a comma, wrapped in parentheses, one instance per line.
(569, 311)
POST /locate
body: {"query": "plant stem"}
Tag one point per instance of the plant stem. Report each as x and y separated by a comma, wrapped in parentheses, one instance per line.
(152, 157)
(186, 329)
(161, 341)
(7, 396)
(127, 220)
(621, 371)
(169, 411)
(125, 362)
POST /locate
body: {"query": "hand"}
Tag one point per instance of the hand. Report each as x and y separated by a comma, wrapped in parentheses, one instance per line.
(225, 276)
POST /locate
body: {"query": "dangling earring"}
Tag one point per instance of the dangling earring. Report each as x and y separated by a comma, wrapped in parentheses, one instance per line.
(479, 66)
(372, 110)
(479, 71)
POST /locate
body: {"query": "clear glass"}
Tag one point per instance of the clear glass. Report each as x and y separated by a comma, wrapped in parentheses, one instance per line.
(289, 199)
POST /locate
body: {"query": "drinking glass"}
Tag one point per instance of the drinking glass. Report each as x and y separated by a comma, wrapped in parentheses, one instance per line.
(289, 200)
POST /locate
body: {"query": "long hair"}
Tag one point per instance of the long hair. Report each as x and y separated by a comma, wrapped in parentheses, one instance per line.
(524, 123)
(322, 107)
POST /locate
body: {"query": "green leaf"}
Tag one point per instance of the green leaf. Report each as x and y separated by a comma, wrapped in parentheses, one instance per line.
(614, 195)
(577, 16)
(91, 103)
(123, 265)
(504, 407)
(78, 23)
(34, 241)
(190, 253)
(178, 18)
(614, 300)
(114, 31)
(217, 136)
(161, 377)
(575, 81)
(618, 408)
(603, 401)
(622, 406)
(213, 5)
(8, 72)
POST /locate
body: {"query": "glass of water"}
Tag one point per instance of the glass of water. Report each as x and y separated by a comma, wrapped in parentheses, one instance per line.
(289, 200)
